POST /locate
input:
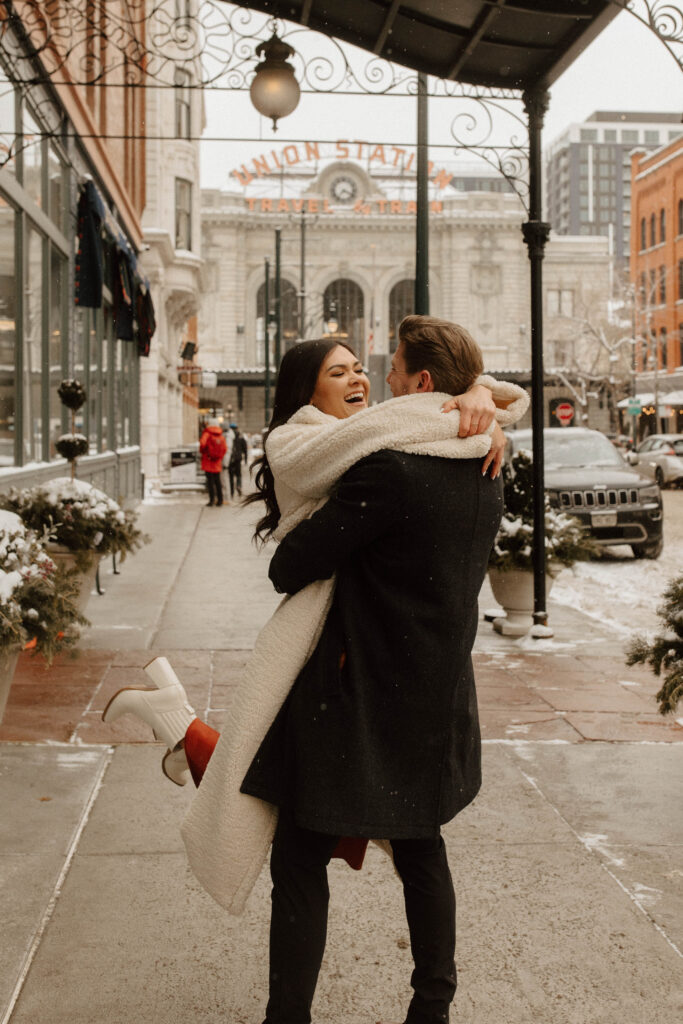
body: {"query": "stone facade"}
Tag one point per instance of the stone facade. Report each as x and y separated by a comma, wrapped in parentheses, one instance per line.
(172, 261)
(479, 272)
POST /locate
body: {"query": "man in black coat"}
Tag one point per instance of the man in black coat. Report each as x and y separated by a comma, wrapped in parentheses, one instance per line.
(379, 737)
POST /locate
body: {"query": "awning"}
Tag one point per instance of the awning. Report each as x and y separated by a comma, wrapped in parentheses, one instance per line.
(672, 398)
(645, 398)
(498, 43)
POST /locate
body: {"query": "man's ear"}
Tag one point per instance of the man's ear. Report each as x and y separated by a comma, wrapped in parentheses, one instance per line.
(425, 382)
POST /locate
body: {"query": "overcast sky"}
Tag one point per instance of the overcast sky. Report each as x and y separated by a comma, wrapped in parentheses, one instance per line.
(625, 68)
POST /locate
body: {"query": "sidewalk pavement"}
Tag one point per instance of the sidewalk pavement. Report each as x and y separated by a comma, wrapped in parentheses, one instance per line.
(568, 866)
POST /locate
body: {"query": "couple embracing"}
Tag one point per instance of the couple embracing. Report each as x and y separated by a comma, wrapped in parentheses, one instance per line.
(356, 719)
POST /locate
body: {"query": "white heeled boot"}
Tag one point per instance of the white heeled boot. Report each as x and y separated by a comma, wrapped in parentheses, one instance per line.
(165, 709)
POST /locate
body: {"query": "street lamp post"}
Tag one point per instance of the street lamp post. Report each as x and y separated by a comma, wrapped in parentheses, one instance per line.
(302, 278)
(278, 302)
(266, 341)
(422, 217)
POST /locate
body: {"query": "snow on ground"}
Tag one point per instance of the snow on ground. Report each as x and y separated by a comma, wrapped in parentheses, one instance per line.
(621, 591)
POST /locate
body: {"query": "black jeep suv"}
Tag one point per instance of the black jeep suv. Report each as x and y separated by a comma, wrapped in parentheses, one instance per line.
(587, 477)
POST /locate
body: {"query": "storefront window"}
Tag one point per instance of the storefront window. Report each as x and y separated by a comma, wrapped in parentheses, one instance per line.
(7, 124)
(32, 157)
(92, 384)
(8, 314)
(33, 333)
(58, 423)
(105, 381)
(56, 190)
(117, 384)
(81, 340)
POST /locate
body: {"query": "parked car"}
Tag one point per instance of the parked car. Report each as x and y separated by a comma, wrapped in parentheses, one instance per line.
(621, 441)
(660, 457)
(586, 476)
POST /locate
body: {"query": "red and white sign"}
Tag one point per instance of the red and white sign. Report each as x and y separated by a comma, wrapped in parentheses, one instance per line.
(565, 413)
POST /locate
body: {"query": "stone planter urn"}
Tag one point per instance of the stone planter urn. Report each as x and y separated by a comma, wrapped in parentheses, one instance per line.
(8, 663)
(513, 589)
(66, 558)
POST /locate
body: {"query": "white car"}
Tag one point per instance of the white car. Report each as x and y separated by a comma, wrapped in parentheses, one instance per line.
(660, 457)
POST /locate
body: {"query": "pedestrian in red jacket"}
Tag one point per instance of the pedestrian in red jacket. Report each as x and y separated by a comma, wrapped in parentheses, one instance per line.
(213, 447)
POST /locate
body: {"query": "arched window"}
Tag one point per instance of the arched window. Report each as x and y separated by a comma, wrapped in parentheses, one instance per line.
(662, 348)
(289, 307)
(343, 314)
(401, 303)
(643, 234)
(653, 229)
(662, 225)
(662, 285)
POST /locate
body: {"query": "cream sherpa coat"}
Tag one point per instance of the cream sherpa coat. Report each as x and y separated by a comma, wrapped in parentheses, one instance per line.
(227, 834)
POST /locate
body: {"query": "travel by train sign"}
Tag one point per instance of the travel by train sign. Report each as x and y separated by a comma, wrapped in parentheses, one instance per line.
(374, 206)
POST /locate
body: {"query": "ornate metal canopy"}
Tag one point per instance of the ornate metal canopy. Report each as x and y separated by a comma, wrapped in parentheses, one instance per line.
(498, 44)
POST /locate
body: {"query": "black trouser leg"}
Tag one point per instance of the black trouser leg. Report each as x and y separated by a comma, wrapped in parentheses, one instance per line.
(218, 483)
(430, 910)
(211, 486)
(298, 925)
(231, 475)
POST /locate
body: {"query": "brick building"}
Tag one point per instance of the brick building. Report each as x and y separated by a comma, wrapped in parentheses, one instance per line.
(72, 150)
(657, 279)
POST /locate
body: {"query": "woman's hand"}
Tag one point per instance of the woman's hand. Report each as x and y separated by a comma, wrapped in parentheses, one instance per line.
(494, 458)
(477, 410)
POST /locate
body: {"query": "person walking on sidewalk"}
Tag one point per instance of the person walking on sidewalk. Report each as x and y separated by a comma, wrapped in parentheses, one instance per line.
(379, 734)
(238, 455)
(212, 446)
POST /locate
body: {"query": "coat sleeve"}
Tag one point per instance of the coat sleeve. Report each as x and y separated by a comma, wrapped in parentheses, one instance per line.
(364, 505)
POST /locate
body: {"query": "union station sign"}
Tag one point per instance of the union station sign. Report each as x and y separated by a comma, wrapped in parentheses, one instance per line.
(345, 186)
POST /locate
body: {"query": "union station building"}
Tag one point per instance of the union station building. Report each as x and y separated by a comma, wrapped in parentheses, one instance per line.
(347, 230)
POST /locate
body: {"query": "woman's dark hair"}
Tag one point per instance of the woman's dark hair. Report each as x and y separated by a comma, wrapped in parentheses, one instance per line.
(296, 382)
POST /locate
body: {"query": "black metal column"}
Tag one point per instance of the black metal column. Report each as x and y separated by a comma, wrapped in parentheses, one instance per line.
(302, 280)
(266, 324)
(422, 218)
(536, 232)
(278, 302)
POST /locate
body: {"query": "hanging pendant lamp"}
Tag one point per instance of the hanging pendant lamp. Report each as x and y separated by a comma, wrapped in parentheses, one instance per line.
(274, 90)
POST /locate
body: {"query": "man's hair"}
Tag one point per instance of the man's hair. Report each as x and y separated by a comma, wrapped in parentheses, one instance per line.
(447, 350)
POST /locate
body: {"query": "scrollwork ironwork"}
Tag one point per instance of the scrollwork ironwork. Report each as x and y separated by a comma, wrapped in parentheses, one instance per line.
(663, 18)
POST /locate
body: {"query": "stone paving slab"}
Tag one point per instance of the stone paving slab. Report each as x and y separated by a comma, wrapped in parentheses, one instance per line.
(45, 794)
(622, 801)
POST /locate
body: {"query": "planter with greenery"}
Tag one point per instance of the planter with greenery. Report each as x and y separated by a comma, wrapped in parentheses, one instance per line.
(81, 523)
(511, 559)
(664, 654)
(38, 607)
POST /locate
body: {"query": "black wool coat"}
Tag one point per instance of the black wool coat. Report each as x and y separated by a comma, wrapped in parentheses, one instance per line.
(379, 736)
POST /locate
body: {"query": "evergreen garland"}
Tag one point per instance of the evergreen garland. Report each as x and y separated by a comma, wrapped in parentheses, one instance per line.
(566, 539)
(665, 653)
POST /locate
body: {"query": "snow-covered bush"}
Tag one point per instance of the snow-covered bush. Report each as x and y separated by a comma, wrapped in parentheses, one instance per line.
(36, 597)
(665, 653)
(566, 539)
(77, 515)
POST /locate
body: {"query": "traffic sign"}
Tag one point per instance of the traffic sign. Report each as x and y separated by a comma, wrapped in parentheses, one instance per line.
(565, 413)
(634, 407)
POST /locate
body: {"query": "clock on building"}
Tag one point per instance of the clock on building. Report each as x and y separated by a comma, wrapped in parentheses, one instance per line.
(344, 189)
